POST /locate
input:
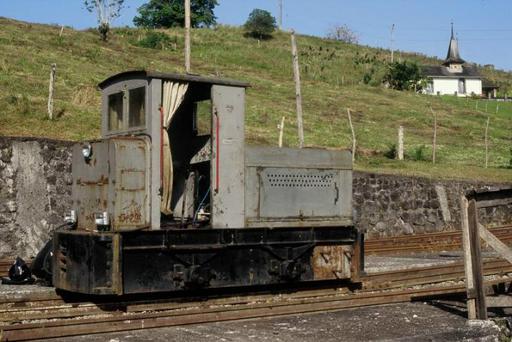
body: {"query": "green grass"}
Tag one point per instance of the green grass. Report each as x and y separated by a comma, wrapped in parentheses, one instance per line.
(332, 74)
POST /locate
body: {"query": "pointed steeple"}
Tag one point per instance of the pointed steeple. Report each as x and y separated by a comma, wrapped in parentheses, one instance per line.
(453, 56)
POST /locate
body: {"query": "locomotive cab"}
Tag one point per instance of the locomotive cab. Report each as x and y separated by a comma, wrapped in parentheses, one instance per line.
(171, 198)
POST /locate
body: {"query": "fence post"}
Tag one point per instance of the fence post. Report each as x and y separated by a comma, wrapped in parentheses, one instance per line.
(468, 266)
(281, 129)
(187, 36)
(434, 139)
(476, 262)
(400, 153)
(353, 135)
(51, 90)
(487, 143)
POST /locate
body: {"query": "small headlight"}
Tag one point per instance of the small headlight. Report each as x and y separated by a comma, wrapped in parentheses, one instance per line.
(71, 218)
(87, 151)
(101, 219)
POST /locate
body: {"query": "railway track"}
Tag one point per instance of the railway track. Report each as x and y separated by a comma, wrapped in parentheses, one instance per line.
(400, 244)
(47, 315)
(428, 242)
(243, 309)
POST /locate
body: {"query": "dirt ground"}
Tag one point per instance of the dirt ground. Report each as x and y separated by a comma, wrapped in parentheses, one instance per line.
(401, 322)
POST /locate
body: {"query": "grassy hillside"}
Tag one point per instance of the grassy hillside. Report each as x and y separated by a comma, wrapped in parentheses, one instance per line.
(332, 74)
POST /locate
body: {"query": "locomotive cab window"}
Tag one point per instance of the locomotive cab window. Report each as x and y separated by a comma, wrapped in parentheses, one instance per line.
(115, 111)
(136, 107)
(127, 109)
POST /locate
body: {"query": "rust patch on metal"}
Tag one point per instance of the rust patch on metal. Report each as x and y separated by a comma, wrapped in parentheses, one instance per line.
(101, 181)
(131, 214)
(331, 262)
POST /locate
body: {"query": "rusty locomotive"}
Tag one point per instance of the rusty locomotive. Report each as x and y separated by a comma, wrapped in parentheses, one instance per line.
(171, 198)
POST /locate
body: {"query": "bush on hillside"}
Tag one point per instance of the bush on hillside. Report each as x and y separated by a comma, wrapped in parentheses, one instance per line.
(418, 153)
(391, 152)
(157, 40)
(260, 24)
(404, 76)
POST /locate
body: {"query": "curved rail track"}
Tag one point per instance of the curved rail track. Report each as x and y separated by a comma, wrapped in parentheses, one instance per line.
(48, 315)
(400, 244)
(429, 242)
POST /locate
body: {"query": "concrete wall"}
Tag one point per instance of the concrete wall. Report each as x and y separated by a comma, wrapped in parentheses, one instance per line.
(474, 86)
(35, 187)
(445, 86)
(35, 190)
(448, 86)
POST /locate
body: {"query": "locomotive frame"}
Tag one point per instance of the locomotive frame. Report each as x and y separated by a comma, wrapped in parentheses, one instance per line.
(171, 198)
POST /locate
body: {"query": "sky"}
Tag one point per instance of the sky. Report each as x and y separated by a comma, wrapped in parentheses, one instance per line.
(483, 27)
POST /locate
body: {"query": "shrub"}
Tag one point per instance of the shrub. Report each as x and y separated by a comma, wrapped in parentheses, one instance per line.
(418, 154)
(157, 40)
(21, 103)
(392, 152)
(403, 76)
(260, 24)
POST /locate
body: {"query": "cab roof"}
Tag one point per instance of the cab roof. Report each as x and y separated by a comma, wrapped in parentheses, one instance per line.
(191, 78)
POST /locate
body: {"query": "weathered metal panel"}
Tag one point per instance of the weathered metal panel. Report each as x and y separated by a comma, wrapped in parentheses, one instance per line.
(297, 187)
(261, 156)
(290, 192)
(87, 262)
(331, 262)
(172, 77)
(154, 120)
(90, 183)
(130, 160)
(228, 149)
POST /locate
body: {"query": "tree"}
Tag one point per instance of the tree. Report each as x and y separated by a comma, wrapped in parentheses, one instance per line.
(171, 13)
(343, 33)
(260, 24)
(107, 11)
(404, 76)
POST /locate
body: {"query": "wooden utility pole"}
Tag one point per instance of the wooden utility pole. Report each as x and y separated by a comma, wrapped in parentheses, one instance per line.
(280, 14)
(354, 146)
(51, 90)
(487, 143)
(298, 95)
(434, 140)
(400, 154)
(281, 131)
(187, 36)
(392, 41)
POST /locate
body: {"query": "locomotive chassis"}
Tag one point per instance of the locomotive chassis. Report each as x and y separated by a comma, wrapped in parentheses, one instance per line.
(103, 263)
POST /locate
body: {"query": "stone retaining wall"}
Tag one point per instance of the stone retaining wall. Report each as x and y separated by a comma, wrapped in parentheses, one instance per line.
(35, 189)
(388, 205)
